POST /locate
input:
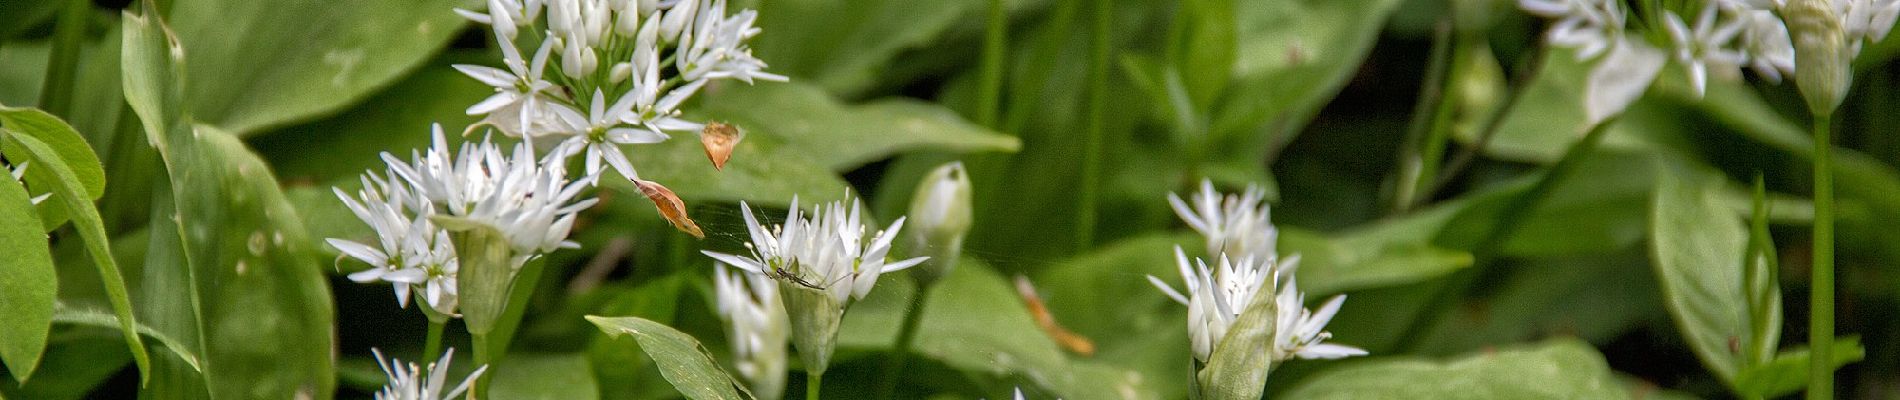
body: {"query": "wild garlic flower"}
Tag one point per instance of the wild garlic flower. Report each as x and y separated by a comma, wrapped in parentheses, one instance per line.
(826, 251)
(411, 253)
(533, 204)
(756, 326)
(609, 87)
(1300, 333)
(1215, 297)
(1589, 26)
(407, 381)
(1710, 44)
(1765, 38)
(1236, 226)
(1866, 21)
(19, 174)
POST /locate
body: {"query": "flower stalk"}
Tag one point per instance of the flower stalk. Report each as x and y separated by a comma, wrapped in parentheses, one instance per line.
(1821, 300)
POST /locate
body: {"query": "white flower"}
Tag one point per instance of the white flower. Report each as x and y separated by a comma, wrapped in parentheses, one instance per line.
(599, 134)
(1765, 38)
(1300, 333)
(1236, 226)
(825, 252)
(1866, 20)
(715, 47)
(1620, 78)
(1707, 46)
(1589, 26)
(19, 174)
(749, 303)
(518, 106)
(532, 204)
(411, 253)
(411, 382)
(1215, 297)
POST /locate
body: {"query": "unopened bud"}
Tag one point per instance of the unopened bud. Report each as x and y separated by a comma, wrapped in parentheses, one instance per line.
(719, 139)
(670, 207)
(940, 217)
(1821, 57)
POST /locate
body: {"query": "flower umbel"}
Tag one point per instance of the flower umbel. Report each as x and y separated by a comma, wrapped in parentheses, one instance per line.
(756, 326)
(825, 252)
(407, 381)
(1237, 226)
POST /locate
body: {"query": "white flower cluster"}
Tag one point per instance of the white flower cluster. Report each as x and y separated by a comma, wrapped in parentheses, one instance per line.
(407, 381)
(1239, 232)
(1726, 36)
(612, 85)
(826, 252)
(532, 204)
(757, 328)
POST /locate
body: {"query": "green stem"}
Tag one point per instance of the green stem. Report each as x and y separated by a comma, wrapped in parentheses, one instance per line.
(1821, 302)
(906, 337)
(482, 357)
(1092, 142)
(56, 96)
(1485, 253)
(990, 78)
(812, 381)
(432, 347)
(1430, 99)
(1528, 68)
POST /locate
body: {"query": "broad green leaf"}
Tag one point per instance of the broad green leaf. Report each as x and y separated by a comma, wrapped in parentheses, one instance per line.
(631, 375)
(259, 64)
(1696, 246)
(845, 51)
(544, 377)
(1788, 372)
(1294, 56)
(66, 142)
(842, 137)
(1600, 207)
(1208, 47)
(70, 193)
(1593, 297)
(1549, 117)
(975, 322)
(27, 293)
(262, 307)
(1104, 296)
(1558, 369)
(681, 359)
(1384, 253)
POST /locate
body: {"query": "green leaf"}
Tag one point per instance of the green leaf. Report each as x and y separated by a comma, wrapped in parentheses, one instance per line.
(260, 64)
(27, 293)
(23, 15)
(544, 377)
(261, 306)
(1789, 370)
(855, 40)
(681, 359)
(1208, 48)
(976, 323)
(76, 362)
(1696, 245)
(633, 375)
(64, 141)
(98, 319)
(839, 136)
(1294, 56)
(70, 194)
(1381, 254)
(1558, 369)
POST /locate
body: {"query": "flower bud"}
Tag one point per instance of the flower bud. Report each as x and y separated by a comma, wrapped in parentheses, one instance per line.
(1821, 57)
(940, 216)
(815, 317)
(487, 271)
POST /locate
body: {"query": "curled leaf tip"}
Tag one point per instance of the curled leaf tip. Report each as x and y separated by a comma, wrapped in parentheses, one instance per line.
(719, 140)
(670, 207)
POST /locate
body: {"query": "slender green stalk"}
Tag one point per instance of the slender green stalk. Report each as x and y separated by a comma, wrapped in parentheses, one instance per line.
(432, 347)
(1092, 142)
(1430, 99)
(482, 357)
(1821, 302)
(906, 337)
(1485, 253)
(1528, 67)
(1432, 151)
(56, 96)
(812, 381)
(990, 77)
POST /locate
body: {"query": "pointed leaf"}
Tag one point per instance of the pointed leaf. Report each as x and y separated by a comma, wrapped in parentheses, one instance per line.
(1558, 369)
(841, 136)
(27, 292)
(681, 358)
(1696, 245)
